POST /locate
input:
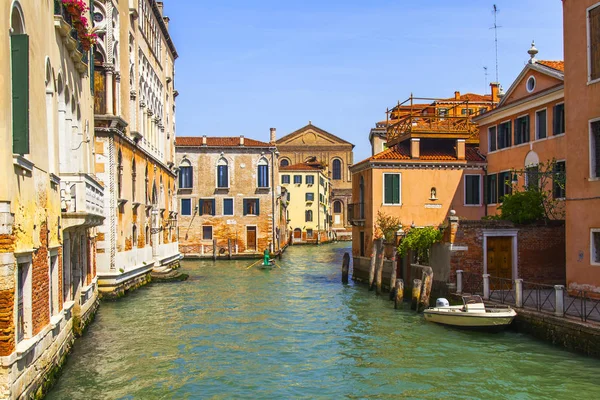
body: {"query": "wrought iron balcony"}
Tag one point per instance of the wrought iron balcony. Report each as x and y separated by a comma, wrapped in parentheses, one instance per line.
(82, 200)
(356, 214)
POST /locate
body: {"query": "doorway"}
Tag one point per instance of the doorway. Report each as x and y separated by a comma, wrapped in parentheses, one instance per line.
(500, 257)
(251, 238)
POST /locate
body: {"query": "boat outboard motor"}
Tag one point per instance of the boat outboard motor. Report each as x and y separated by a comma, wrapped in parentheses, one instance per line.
(442, 302)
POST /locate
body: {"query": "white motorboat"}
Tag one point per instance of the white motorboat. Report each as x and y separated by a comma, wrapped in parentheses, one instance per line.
(473, 314)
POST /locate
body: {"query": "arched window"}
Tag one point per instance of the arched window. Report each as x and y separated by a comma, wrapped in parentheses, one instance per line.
(134, 236)
(308, 214)
(147, 235)
(222, 173)
(19, 50)
(337, 207)
(133, 176)
(263, 173)
(99, 84)
(284, 162)
(146, 185)
(185, 175)
(337, 169)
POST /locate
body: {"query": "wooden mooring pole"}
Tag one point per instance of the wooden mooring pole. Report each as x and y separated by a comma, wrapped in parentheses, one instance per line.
(393, 275)
(214, 249)
(372, 269)
(345, 268)
(399, 298)
(426, 289)
(229, 248)
(416, 294)
(379, 267)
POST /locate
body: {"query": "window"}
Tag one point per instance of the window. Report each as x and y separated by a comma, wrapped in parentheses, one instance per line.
(53, 285)
(337, 169)
(558, 119)
(540, 124)
(309, 233)
(504, 185)
(19, 48)
(443, 112)
(559, 189)
(391, 189)
(321, 198)
(492, 138)
(298, 179)
(594, 43)
(310, 197)
(134, 235)
(186, 206)
(532, 176)
(504, 135)
(285, 179)
(321, 181)
(222, 173)
(263, 173)
(473, 190)
(482, 110)
(207, 207)
(288, 196)
(531, 84)
(207, 232)
(284, 162)
(522, 130)
(310, 180)
(185, 175)
(595, 149)
(492, 189)
(308, 215)
(133, 176)
(227, 206)
(337, 207)
(24, 328)
(251, 207)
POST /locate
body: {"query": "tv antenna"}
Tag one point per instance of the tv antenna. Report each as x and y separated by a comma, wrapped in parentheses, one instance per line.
(495, 28)
(485, 72)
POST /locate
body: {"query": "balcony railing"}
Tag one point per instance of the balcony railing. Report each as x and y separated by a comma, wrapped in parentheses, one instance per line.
(82, 200)
(63, 22)
(356, 214)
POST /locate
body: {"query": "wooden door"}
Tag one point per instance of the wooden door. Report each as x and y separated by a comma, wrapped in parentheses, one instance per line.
(297, 234)
(251, 238)
(499, 259)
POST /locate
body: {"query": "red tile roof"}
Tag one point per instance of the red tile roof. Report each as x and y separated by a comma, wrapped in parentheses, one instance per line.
(557, 65)
(218, 141)
(470, 97)
(301, 167)
(428, 152)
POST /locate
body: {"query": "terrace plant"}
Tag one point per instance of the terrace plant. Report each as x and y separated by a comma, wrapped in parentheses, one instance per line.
(420, 241)
(386, 226)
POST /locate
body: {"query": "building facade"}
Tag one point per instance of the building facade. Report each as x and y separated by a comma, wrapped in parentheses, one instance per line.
(134, 106)
(582, 102)
(308, 188)
(310, 142)
(50, 201)
(228, 197)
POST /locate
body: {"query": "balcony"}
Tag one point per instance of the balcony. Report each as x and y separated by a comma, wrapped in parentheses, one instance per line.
(82, 201)
(356, 214)
(64, 25)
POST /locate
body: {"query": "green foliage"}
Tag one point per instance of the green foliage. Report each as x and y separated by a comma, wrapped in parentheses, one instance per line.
(388, 225)
(420, 240)
(523, 207)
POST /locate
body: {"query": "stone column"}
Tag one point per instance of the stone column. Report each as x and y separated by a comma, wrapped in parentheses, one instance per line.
(109, 88)
(486, 286)
(559, 300)
(459, 281)
(519, 293)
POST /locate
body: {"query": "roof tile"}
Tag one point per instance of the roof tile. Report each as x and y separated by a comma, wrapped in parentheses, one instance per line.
(557, 65)
(212, 141)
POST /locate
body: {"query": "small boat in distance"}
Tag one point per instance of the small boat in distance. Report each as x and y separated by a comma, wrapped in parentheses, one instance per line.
(473, 314)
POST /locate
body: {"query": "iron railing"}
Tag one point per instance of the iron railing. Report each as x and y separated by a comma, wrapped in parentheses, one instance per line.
(472, 283)
(356, 213)
(578, 304)
(502, 290)
(539, 296)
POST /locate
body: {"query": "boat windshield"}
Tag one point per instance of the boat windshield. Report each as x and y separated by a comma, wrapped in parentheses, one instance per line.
(472, 299)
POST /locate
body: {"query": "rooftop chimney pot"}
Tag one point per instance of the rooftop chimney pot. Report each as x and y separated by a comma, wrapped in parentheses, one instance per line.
(241, 140)
(273, 135)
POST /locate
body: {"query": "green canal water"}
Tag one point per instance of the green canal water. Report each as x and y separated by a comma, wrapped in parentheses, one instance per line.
(297, 332)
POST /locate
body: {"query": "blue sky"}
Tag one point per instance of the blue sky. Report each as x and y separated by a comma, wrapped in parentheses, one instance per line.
(246, 66)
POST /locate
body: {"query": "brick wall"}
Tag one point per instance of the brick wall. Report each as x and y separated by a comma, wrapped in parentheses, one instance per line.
(7, 301)
(541, 253)
(40, 307)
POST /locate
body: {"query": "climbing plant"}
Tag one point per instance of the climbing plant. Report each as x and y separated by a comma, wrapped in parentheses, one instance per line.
(387, 226)
(420, 241)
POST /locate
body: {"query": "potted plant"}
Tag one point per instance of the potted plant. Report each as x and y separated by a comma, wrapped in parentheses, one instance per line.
(388, 225)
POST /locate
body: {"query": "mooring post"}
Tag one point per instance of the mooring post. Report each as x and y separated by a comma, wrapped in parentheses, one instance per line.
(426, 289)
(379, 269)
(416, 293)
(486, 286)
(393, 275)
(214, 249)
(519, 293)
(399, 293)
(345, 267)
(559, 310)
(459, 281)
(229, 248)
(372, 268)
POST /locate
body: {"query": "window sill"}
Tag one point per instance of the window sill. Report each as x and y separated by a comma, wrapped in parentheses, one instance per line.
(23, 163)
(392, 205)
(472, 205)
(592, 82)
(596, 179)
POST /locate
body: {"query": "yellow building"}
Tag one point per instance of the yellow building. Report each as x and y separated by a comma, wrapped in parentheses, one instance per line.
(50, 202)
(309, 202)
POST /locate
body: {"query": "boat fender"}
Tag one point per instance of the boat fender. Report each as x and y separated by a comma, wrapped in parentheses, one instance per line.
(442, 302)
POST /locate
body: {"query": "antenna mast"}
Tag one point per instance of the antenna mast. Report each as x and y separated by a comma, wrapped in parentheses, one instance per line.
(485, 72)
(495, 28)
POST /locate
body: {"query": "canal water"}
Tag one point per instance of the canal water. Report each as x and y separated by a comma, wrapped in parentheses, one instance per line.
(297, 332)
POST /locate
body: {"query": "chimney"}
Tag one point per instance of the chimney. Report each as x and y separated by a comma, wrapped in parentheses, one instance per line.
(273, 135)
(166, 21)
(457, 95)
(204, 140)
(415, 148)
(495, 90)
(241, 140)
(460, 149)
(160, 6)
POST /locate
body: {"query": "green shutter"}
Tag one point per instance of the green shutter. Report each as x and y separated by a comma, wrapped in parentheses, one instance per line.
(396, 188)
(19, 45)
(387, 188)
(257, 206)
(201, 207)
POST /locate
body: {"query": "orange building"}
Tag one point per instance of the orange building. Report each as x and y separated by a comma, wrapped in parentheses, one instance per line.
(525, 130)
(582, 101)
(431, 165)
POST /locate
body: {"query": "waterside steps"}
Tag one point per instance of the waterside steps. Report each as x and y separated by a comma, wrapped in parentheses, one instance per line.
(168, 274)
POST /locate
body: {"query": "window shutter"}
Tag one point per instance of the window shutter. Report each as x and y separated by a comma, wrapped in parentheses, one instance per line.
(257, 207)
(387, 188)
(595, 43)
(396, 188)
(245, 207)
(213, 206)
(201, 207)
(555, 120)
(19, 45)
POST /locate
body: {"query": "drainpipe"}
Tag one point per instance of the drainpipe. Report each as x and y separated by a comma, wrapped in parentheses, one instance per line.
(273, 194)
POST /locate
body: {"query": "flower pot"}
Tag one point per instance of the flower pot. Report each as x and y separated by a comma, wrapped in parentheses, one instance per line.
(388, 250)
